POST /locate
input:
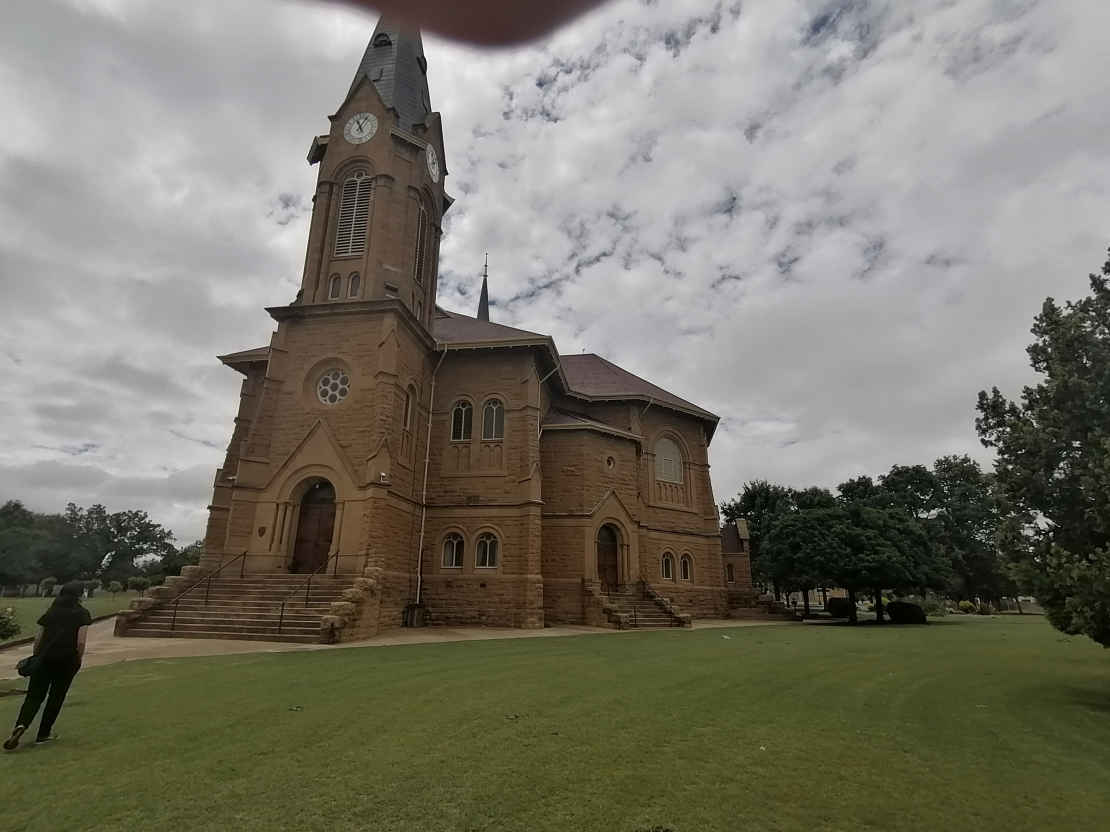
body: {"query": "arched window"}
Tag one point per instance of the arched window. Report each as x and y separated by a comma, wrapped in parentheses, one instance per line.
(462, 415)
(666, 568)
(420, 254)
(730, 573)
(486, 557)
(668, 461)
(354, 283)
(493, 419)
(354, 215)
(410, 402)
(453, 551)
(333, 287)
(686, 568)
(382, 39)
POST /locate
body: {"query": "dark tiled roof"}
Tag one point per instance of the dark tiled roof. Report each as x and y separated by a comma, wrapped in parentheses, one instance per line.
(397, 69)
(731, 535)
(453, 328)
(596, 377)
(243, 357)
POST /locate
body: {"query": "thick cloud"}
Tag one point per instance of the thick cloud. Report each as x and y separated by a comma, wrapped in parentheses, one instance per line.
(829, 222)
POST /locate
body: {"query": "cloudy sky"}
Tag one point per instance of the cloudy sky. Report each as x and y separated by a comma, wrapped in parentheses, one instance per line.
(829, 221)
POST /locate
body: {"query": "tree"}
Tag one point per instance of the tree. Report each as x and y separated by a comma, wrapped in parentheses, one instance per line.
(115, 587)
(798, 546)
(109, 544)
(758, 503)
(1053, 463)
(139, 584)
(965, 522)
(175, 560)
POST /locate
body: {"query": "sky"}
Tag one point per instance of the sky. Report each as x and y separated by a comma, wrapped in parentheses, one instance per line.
(830, 222)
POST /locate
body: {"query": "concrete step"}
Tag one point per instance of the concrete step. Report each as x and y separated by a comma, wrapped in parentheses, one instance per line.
(142, 632)
(232, 629)
(245, 620)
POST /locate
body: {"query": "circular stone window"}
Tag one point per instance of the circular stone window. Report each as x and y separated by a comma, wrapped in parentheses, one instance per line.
(333, 387)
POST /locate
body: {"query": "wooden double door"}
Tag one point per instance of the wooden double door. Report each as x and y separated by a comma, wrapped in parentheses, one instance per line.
(315, 527)
(608, 557)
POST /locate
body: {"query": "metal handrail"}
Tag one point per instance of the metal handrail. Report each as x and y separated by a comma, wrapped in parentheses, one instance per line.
(207, 581)
(307, 583)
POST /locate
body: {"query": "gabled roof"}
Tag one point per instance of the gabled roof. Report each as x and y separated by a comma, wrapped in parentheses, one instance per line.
(453, 328)
(394, 62)
(599, 378)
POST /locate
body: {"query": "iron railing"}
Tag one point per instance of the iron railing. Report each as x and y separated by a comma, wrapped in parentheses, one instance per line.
(207, 581)
(308, 584)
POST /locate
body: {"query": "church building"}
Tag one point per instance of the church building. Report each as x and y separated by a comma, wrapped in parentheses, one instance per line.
(395, 462)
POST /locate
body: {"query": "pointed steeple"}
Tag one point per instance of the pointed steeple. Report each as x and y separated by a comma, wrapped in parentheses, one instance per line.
(394, 61)
(483, 301)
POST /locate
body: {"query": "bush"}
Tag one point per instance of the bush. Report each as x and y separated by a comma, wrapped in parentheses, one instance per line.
(966, 607)
(9, 627)
(985, 609)
(139, 584)
(934, 607)
(839, 607)
(115, 587)
(903, 612)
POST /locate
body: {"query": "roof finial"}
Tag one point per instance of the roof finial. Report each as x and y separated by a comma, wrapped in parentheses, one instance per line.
(483, 301)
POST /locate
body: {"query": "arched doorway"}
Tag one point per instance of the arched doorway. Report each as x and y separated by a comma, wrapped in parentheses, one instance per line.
(608, 554)
(314, 528)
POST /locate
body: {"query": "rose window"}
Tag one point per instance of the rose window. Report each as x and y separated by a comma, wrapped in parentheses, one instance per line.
(333, 387)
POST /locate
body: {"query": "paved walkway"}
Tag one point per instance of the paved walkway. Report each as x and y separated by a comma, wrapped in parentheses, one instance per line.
(103, 647)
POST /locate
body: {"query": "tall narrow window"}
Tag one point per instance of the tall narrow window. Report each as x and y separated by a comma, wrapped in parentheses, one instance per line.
(453, 551)
(486, 556)
(354, 282)
(493, 419)
(666, 567)
(334, 286)
(420, 255)
(668, 461)
(410, 396)
(730, 574)
(354, 215)
(462, 415)
(686, 568)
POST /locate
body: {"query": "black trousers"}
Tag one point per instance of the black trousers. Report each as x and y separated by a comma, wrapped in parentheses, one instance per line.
(51, 682)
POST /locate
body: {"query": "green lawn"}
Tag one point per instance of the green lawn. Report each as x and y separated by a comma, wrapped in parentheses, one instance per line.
(969, 723)
(28, 610)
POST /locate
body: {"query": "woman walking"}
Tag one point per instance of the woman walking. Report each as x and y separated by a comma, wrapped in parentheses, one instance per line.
(59, 648)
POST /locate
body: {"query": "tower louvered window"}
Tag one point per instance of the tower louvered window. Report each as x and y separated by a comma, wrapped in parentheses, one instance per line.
(354, 215)
(421, 253)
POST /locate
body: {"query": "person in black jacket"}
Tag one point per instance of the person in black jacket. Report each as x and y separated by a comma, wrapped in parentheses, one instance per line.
(60, 646)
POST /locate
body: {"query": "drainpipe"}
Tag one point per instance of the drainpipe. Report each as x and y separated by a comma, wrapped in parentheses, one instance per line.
(539, 399)
(424, 492)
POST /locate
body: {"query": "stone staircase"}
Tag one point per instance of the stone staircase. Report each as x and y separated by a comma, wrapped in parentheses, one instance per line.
(247, 608)
(633, 608)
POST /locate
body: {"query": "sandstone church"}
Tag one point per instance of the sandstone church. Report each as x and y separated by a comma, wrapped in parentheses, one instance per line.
(394, 462)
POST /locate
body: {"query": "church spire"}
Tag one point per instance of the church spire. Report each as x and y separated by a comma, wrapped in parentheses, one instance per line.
(394, 62)
(483, 301)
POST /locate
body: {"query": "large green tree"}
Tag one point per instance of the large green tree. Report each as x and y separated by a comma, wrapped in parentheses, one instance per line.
(759, 503)
(1053, 463)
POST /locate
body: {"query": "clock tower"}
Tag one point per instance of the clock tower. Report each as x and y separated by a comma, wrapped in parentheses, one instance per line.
(379, 201)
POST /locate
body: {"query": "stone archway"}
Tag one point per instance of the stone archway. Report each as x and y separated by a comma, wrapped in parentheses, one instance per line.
(608, 557)
(315, 526)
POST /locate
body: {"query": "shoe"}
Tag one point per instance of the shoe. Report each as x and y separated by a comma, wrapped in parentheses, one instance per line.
(41, 740)
(12, 742)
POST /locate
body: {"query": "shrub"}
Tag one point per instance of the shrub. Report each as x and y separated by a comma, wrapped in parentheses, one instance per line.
(9, 627)
(966, 607)
(839, 607)
(46, 586)
(986, 609)
(115, 587)
(903, 612)
(935, 607)
(140, 584)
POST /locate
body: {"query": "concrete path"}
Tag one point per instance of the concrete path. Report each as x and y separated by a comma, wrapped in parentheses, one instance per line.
(104, 647)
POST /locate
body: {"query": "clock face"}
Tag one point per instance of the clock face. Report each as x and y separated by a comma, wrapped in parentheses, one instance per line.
(433, 163)
(360, 128)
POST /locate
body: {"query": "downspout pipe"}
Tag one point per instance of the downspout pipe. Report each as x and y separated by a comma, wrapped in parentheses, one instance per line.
(424, 491)
(539, 398)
